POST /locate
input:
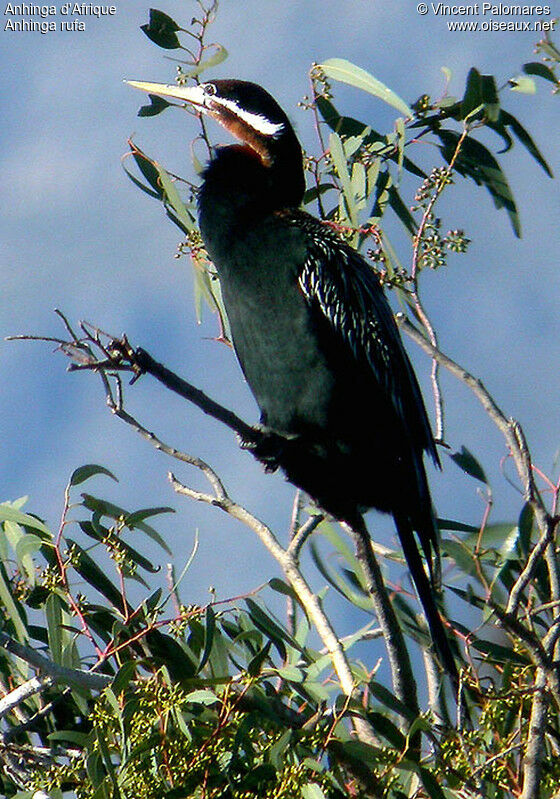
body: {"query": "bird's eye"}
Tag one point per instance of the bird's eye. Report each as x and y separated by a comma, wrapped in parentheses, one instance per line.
(209, 89)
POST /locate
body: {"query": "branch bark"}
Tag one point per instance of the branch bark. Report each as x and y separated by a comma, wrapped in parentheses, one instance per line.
(402, 675)
(61, 674)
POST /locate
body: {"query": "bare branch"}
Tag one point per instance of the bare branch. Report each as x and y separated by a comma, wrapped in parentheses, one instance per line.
(60, 674)
(301, 535)
(534, 750)
(18, 695)
(404, 683)
(517, 444)
(298, 582)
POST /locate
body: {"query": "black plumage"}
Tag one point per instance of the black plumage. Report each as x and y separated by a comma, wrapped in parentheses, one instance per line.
(314, 333)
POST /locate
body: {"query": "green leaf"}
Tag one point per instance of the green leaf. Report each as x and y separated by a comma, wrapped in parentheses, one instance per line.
(490, 97)
(492, 537)
(431, 785)
(402, 210)
(148, 170)
(141, 186)
(209, 630)
(523, 84)
(134, 519)
(401, 141)
(13, 608)
(524, 137)
(481, 94)
(173, 198)
(26, 547)
(462, 557)
(281, 587)
(269, 627)
(472, 98)
(103, 748)
(450, 524)
(7, 512)
(541, 70)
(525, 525)
(338, 156)
(475, 161)
(53, 613)
(70, 736)
(202, 697)
(162, 30)
(346, 72)
(105, 508)
(83, 473)
(219, 56)
(383, 695)
(291, 673)
(385, 727)
(254, 667)
(96, 577)
(338, 583)
(312, 791)
(358, 180)
(502, 654)
(277, 752)
(124, 675)
(169, 652)
(157, 105)
(469, 464)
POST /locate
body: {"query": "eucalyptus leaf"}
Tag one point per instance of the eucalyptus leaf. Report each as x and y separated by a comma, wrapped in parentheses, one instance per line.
(523, 84)
(344, 71)
(162, 30)
(541, 70)
(7, 512)
(83, 473)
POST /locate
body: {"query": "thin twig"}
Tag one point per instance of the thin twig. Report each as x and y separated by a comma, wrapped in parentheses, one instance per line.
(301, 536)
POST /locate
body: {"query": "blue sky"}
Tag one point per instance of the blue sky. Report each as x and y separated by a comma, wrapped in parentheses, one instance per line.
(77, 235)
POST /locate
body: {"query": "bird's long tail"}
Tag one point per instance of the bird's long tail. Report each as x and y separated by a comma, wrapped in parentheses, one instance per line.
(426, 596)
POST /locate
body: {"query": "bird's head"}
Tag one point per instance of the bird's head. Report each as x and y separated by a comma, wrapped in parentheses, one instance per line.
(245, 109)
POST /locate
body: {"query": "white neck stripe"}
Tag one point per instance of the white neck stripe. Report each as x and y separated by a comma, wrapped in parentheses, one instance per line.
(257, 122)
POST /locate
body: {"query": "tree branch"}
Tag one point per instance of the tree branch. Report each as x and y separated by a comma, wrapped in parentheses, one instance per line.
(60, 674)
(404, 683)
(308, 599)
(517, 444)
(534, 750)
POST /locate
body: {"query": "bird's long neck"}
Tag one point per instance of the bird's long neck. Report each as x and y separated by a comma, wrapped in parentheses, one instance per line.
(239, 188)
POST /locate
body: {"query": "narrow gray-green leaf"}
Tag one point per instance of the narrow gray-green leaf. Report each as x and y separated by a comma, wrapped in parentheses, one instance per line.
(53, 612)
(12, 609)
(312, 791)
(13, 515)
(523, 84)
(339, 162)
(344, 71)
(26, 547)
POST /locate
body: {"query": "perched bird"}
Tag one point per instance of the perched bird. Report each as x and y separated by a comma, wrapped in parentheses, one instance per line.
(313, 332)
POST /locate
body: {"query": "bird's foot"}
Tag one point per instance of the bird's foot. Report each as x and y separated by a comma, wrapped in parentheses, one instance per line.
(267, 446)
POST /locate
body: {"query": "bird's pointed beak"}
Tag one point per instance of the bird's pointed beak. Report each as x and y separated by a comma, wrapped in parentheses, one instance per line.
(194, 95)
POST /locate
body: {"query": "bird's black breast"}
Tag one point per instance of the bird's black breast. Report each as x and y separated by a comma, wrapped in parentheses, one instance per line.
(273, 327)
